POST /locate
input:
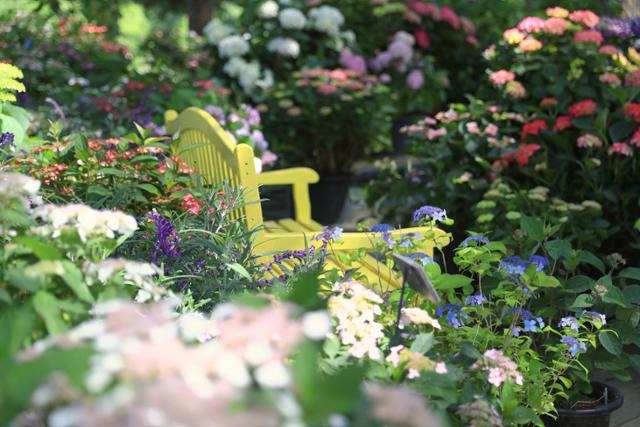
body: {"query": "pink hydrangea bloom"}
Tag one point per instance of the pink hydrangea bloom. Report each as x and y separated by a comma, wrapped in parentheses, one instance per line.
(608, 49)
(450, 16)
(491, 129)
(472, 40)
(620, 148)
(530, 44)
(585, 17)
(632, 78)
(354, 62)
(610, 78)
(326, 89)
(635, 139)
(435, 133)
(515, 89)
(500, 368)
(513, 36)
(268, 158)
(531, 24)
(589, 141)
(557, 12)
(422, 38)
(415, 79)
(555, 26)
(467, 25)
(472, 127)
(501, 77)
(588, 36)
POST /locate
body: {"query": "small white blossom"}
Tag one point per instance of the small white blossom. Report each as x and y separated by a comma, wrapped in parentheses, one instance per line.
(326, 19)
(216, 30)
(284, 46)
(272, 375)
(316, 324)
(292, 19)
(232, 46)
(268, 9)
(16, 184)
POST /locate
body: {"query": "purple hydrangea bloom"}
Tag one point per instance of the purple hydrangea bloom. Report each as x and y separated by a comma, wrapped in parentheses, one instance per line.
(354, 62)
(479, 239)
(415, 79)
(217, 113)
(475, 300)
(431, 212)
(167, 240)
(569, 322)
(516, 266)
(575, 346)
(253, 115)
(6, 138)
(258, 139)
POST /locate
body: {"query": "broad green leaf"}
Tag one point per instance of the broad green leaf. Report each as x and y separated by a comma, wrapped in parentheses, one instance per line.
(74, 279)
(422, 343)
(631, 273)
(450, 281)
(43, 251)
(534, 227)
(632, 293)
(610, 342)
(46, 305)
(635, 361)
(589, 258)
(620, 130)
(577, 284)
(558, 249)
(615, 296)
(583, 301)
(149, 188)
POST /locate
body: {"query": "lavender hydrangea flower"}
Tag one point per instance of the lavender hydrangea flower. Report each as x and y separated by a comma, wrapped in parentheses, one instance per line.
(6, 138)
(595, 315)
(217, 113)
(430, 212)
(475, 300)
(569, 322)
(380, 228)
(478, 239)
(516, 266)
(575, 346)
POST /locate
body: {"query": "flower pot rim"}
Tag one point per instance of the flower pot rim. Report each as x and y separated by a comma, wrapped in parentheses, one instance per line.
(613, 405)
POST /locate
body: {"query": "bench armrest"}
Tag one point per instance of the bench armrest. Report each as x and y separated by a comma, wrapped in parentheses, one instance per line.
(299, 179)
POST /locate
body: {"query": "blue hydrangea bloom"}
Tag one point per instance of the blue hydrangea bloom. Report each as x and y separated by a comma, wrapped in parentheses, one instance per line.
(595, 315)
(478, 239)
(516, 266)
(475, 300)
(423, 259)
(430, 212)
(381, 228)
(569, 322)
(575, 346)
(455, 316)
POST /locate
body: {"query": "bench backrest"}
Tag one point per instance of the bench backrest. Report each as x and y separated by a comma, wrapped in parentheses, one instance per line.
(205, 146)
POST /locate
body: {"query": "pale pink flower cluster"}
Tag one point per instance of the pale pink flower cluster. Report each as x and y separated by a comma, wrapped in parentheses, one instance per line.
(355, 308)
(501, 77)
(620, 148)
(530, 44)
(588, 36)
(515, 89)
(500, 368)
(557, 12)
(190, 370)
(585, 17)
(610, 78)
(417, 316)
(555, 26)
(589, 141)
(531, 24)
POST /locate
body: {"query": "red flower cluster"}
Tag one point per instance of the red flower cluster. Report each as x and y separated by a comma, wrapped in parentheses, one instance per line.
(562, 123)
(533, 128)
(522, 154)
(583, 108)
(633, 112)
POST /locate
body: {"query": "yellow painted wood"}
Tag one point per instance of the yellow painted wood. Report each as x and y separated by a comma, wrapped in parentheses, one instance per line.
(205, 146)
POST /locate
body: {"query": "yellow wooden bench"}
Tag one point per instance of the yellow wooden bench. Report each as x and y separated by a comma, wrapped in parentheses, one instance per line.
(204, 146)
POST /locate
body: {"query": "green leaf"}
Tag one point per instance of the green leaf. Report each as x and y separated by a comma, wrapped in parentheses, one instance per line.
(635, 361)
(583, 301)
(41, 250)
(610, 342)
(620, 130)
(591, 259)
(578, 284)
(149, 188)
(450, 281)
(112, 171)
(422, 343)
(558, 249)
(615, 296)
(533, 227)
(630, 273)
(74, 279)
(632, 293)
(99, 190)
(239, 269)
(546, 281)
(46, 305)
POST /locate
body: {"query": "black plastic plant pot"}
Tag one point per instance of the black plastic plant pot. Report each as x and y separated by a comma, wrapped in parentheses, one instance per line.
(599, 416)
(328, 198)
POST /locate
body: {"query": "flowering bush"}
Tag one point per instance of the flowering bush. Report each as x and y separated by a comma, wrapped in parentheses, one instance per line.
(265, 41)
(135, 173)
(54, 261)
(334, 116)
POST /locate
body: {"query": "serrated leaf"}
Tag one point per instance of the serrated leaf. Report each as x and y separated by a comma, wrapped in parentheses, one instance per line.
(422, 343)
(534, 227)
(46, 305)
(583, 301)
(558, 249)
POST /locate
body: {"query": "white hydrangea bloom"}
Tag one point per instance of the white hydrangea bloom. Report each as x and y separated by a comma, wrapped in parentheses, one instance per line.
(349, 37)
(284, 46)
(268, 9)
(266, 82)
(88, 222)
(216, 30)
(326, 19)
(16, 184)
(404, 37)
(232, 46)
(292, 19)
